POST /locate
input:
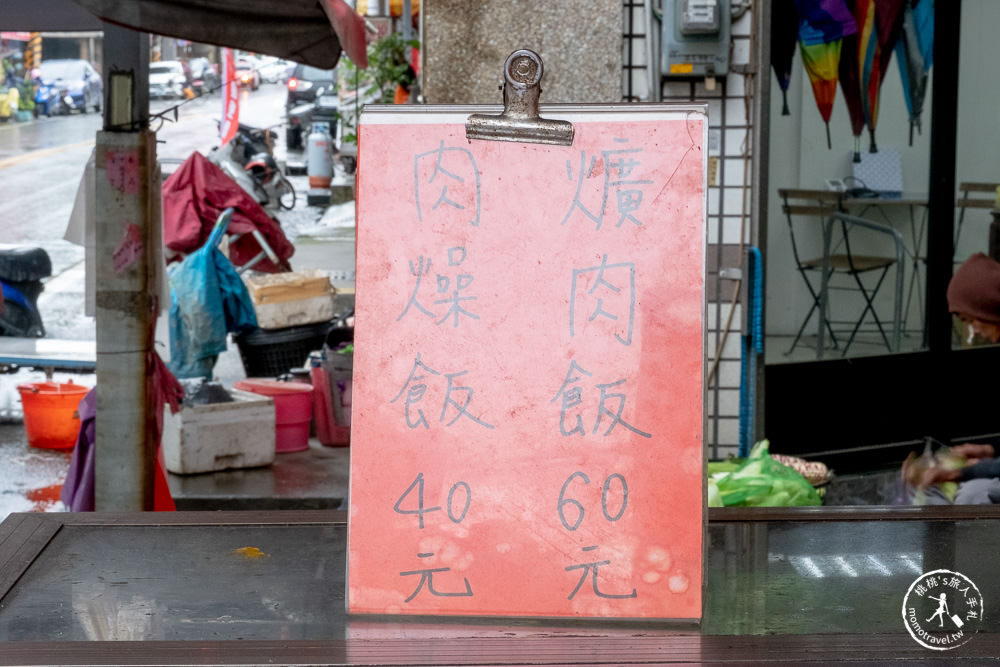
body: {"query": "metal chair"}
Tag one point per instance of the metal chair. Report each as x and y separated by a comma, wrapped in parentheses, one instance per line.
(986, 199)
(863, 273)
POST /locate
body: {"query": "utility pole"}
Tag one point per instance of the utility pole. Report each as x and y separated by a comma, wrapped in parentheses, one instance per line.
(127, 216)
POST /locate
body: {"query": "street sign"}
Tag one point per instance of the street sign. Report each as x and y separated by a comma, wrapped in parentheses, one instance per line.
(529, 363)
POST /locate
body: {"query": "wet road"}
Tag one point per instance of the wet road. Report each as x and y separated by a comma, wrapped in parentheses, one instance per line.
(41, 163)
(30, 479)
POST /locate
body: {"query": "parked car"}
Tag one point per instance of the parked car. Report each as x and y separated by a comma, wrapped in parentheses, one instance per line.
(74, 84)
(167, 79)
(247, 73)
(204, 71)
(306, 81)
(271, 69)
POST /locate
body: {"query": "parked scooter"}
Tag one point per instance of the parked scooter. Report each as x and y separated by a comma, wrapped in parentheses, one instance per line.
(52, 100)
(248, 159)
(299, 119)
(21, 273)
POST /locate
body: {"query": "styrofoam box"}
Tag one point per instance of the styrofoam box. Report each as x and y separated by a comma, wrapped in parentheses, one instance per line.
(219, 436)
(294, 313)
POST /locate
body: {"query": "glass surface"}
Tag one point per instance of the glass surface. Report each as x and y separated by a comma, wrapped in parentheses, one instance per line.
(286, 583)
(182, 583)
(888, 188)
(977, 174)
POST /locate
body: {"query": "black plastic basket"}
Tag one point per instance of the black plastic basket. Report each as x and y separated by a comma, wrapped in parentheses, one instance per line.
(273, 352)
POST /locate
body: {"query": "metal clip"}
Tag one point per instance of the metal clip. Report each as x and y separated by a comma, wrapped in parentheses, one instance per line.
(520, 121)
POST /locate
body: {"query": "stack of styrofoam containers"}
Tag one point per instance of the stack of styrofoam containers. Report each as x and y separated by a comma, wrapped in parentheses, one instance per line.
(291, 299)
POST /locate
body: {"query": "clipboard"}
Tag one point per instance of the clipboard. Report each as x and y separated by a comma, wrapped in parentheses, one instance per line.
(529, 361)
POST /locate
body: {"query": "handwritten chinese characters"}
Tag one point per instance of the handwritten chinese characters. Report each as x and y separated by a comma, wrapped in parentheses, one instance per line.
(446, 185)
(450, 291)
(527, 420)
(614, 174)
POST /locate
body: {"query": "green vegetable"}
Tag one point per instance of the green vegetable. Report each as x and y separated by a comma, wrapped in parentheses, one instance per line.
(760, 481)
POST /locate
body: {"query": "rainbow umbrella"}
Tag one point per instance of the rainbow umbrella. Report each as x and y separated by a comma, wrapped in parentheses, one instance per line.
(915, 55)
(784, 35)
(823, 24)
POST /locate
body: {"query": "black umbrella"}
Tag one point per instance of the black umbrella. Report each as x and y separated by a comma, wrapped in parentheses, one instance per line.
(784, 35)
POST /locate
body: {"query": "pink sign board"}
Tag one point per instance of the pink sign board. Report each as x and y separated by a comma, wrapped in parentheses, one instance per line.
(529, 368)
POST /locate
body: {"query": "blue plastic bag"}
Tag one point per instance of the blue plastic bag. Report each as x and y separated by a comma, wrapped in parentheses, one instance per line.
(207, 300)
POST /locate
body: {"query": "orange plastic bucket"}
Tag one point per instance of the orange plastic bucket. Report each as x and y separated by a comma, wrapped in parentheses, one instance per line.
(51, 418)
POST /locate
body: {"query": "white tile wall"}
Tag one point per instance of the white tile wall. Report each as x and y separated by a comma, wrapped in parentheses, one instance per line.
(723, 313)
(733, 342)
(736, 113)
(713, 201)
(729, 429)
(732, 172)
(727, 397)
(731, 230)
(731, 200)
(734, 141)
(735, 85)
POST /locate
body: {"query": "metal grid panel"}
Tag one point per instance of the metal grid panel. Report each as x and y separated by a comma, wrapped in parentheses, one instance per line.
(729, 198)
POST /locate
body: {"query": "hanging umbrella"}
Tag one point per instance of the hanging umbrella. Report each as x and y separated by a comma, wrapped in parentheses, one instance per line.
(878, 27)
(914, 55)
(822, 26)
(850, 86)
(888, 23)
(869, 66)
(821, 62)
(784, 35)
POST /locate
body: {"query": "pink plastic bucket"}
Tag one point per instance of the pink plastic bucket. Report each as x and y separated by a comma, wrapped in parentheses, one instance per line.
(292, 410)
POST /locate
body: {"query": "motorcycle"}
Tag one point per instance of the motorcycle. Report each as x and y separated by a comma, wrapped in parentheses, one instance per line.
(301, 116)
(52, 100)
(21, 272)
(248, 159)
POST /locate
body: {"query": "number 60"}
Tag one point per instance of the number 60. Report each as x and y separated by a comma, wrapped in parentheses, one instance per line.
(564, 501)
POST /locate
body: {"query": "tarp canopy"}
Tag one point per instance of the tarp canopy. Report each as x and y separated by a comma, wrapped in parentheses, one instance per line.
(297, 30)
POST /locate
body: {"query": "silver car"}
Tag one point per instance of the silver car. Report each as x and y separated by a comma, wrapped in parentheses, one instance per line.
(167, 79)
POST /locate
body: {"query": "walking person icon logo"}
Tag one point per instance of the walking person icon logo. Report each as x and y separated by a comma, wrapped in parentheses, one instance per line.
(942, 610)
(926, 601)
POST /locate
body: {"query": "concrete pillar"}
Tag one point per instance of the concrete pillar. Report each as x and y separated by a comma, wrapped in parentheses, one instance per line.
(127, 198)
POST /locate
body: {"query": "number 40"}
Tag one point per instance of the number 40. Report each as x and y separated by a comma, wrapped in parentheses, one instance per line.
(420, 511)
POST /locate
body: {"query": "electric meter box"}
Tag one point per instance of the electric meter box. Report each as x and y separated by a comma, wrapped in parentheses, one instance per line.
(695, 40)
